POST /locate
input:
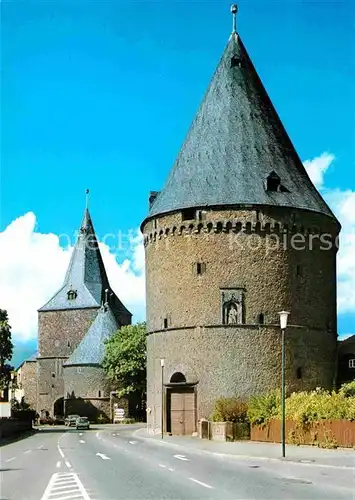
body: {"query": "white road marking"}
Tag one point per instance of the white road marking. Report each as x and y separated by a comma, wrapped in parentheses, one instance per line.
(67, 464)
(97, 434)
(28, 451)
(132, 442)
(201, 483)
(113, 434)
(81, 441)
(171, 470)
(59, 463)
(10, 459)
(103, 456)
(80, 433)
(65, 487)
(60, 451)
(163, 466)
(181, 457)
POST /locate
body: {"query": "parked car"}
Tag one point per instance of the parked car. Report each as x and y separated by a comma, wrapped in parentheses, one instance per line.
(70, 421)
(83, 423)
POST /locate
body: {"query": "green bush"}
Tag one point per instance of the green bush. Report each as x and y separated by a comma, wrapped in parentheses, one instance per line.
(305, 407)
(263, 408)
(348, 390)
(230, 410)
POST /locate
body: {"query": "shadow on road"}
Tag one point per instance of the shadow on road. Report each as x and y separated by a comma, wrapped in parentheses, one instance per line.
(7, 470)
(17, 437)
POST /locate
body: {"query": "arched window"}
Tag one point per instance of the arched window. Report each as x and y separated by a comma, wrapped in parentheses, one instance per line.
(299, 372)
(72, 294)
(178, 378)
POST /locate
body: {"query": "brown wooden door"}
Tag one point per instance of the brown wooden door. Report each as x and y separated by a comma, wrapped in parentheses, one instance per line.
(182, 411)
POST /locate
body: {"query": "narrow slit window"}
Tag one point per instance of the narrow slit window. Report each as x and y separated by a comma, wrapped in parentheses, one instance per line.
(165, 322)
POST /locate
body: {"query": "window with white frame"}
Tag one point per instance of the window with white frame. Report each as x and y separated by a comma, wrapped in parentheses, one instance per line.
(351, 363)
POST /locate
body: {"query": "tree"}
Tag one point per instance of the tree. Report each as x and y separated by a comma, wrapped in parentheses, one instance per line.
(126, 359)
(6, 349)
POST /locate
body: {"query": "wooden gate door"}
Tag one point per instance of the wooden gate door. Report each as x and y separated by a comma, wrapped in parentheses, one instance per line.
(182, 411)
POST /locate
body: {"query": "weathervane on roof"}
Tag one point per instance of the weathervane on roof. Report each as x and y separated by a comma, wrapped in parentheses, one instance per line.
(87, 198)
(234, 10)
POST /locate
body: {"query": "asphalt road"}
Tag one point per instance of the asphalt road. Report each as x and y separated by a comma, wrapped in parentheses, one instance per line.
(108, 463)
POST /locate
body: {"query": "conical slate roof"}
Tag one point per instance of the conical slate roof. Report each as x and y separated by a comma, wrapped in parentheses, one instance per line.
(91, 349)
(234, 143)
(86, 280)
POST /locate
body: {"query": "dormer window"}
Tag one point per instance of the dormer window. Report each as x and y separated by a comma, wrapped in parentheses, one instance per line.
(72, 294)
(236, 62)
(273, 182)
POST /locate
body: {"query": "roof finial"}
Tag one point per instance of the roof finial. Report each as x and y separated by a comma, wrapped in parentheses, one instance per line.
(106, 298)
(234, 10)
(87, 199)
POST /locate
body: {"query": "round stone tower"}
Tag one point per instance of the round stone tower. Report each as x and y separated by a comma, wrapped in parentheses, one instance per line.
(238, 234)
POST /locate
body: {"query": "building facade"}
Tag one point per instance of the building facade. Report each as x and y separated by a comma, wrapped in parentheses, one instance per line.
(26, 382)
(65, 321)
(238, 234)
(346, 360)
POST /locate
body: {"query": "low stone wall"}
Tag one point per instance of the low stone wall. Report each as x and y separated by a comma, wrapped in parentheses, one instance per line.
(10, 427)
(326, 433)
(223, 431)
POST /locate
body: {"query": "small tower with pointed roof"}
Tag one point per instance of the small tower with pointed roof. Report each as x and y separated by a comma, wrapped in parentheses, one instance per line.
(66, 318)
(237, 234)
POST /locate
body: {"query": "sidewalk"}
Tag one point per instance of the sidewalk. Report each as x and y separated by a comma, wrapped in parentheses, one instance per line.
(307, 455)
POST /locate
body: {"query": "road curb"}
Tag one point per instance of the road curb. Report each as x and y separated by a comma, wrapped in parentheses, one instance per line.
(242, 457)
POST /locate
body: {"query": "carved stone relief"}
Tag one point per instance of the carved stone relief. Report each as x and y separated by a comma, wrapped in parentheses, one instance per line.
(232, 305)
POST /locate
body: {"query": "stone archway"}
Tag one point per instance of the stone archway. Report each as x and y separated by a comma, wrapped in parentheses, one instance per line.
(58, 408)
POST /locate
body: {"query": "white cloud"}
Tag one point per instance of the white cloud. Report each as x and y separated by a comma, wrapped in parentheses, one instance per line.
(343, 205)
(33, 266)
(317, 168)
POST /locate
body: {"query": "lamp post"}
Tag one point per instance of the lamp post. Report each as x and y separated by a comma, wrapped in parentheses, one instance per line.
(162, 362)
(283, 324)
(112, 413)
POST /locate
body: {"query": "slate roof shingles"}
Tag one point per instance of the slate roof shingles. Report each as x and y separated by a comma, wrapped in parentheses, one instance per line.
(235, 141)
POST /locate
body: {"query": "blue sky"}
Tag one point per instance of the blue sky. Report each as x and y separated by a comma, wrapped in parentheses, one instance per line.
(101, 94)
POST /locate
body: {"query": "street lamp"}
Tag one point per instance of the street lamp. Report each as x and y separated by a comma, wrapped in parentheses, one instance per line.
(112, 413)
(162, 362)
(283, 324)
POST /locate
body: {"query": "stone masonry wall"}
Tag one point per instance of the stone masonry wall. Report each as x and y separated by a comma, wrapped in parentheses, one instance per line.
(238, 249)
(269, 276)
(60, 332)
(230, 361)
(29, 383)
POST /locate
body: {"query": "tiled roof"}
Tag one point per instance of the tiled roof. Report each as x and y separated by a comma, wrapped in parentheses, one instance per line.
(234, 143)
(86, 278)
(91, 349)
